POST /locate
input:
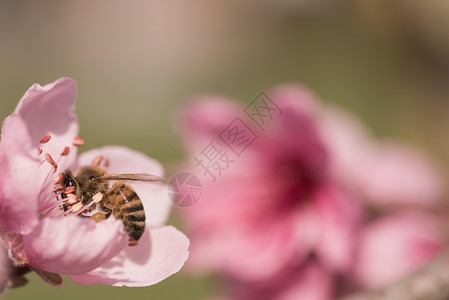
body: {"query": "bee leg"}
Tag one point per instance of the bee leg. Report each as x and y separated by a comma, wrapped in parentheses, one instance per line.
(100, 216)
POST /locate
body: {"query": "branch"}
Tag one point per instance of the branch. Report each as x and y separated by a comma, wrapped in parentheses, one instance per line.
(430, 283)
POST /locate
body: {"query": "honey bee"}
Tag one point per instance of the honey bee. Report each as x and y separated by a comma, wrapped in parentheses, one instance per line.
(91, 189)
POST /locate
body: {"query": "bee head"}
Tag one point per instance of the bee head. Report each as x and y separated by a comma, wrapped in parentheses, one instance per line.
(88, 183)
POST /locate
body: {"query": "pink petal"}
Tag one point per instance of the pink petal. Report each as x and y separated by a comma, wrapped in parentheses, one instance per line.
(19, 188)
(41, 111)
(340, 219)
(204, 118)
(309, 281)
(74, 245)
(315, 283)
(402, 175)
(394, 246)
(386, 174)
(160, 253)
(154, 196)
(48, 110)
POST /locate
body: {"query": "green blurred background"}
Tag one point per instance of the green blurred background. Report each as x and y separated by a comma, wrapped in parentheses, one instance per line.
(135, 63)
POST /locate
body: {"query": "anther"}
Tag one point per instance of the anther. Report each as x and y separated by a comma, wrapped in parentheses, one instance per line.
(71, 201)
(77, 207)
(97, 197)
(132, 242)
(97, 160)
(78, 141)
(58, 179)
(68, 189)
(55, 168)
(49, 159)
(45, 139)
(39, 151)
(57, 189)
(65, 151)
(72, 196)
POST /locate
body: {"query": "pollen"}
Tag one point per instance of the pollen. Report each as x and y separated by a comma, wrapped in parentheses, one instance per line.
(45, 139)
(97, 197)
(77, 207)
(78, 141)
(39, 151)
(65, 151)
(97, 161)
(58, 179)
(68, 189)
(71, 200)
(49, 159)
(72, 196)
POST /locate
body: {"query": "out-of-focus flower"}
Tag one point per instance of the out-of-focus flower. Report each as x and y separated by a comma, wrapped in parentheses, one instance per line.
(37, 144)
(277, 208)
(287, 219)
(401, 185)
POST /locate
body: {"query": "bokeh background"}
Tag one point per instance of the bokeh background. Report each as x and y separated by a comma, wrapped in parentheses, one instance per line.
(136, 62)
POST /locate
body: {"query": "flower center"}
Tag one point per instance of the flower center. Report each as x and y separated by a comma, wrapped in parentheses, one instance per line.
(298, 182)
(56, 199)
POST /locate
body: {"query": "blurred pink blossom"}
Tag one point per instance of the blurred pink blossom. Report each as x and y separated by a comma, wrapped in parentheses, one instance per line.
(35, 230)
(291, 217)
(402, 190)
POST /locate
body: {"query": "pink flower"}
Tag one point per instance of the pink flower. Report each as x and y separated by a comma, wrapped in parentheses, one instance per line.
(39, 235)
(402, 185)
(396, 245)
(291, 217)
(276, 208)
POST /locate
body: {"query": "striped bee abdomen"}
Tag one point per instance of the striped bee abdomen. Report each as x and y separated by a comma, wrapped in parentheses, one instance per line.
(127, 206)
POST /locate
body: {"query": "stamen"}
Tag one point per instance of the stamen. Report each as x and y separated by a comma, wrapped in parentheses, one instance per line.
(78, 141)
(65, 151)
(39, 151)
(71, 201)
(72, 196)
(58, 179)
(45, 139)
(76, 207)
(57, 189)
(97, 160)
(68, 189)
(55, 168)
(97, 197)
(49, 159)
(132, 242)
(86, 207)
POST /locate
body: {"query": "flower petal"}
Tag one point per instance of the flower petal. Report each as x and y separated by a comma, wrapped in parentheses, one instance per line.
(160, 253)
(154, 196)
(402, 175)
(74, 245)
(403, 241)
(41, 111)
(340, 219)
(48, 110)
(204, 118)
(18, 191)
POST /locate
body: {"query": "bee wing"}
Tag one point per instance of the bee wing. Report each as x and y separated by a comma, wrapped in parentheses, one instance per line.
(134, 177)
